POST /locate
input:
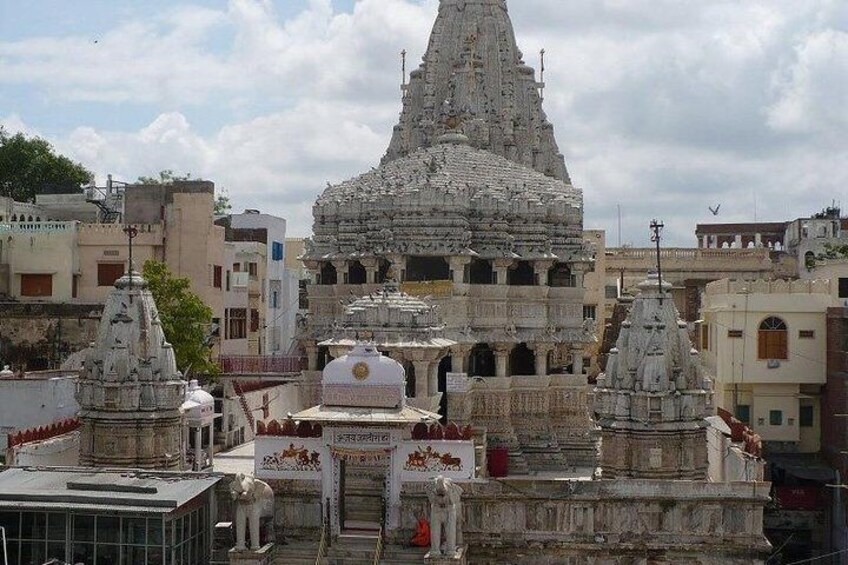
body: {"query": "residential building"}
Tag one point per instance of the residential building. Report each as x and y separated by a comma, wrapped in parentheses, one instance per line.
(245, 281)
(764, 343)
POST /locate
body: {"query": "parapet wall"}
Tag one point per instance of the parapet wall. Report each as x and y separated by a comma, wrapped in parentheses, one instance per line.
(728, 286)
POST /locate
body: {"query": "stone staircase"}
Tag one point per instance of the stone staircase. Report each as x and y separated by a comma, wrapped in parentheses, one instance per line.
(352, 549)
(542, 453)
(518, 462)
(296, 553)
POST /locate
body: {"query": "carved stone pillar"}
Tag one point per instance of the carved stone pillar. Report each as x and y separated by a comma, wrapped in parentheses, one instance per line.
(541, 268)
(501, 268)
(457, 266)
(502, 351)
(312, 357)
(372, 269)
(541, 350)
(397, 265)
(422, 374)
(459, 358)
(341, 271)
(433, 378)
(577, 360)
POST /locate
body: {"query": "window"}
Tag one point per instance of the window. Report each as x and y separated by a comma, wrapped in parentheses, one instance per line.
(590, 312)
(254, 320)
(705, 337)
(274, 303)
(236, 323)
(775, 417)
(743, 413)
(611, 292)
(843, 287)
(228, 282)
(805, 416)
(277, 251)
(807, 334)
(735, 334)
(108, 273)
(236, 267)
(773, 339)
(252, 269)
(36, 285)
(217, 276)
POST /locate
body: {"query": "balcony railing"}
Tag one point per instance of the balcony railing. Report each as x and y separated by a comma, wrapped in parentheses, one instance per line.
(259, 364)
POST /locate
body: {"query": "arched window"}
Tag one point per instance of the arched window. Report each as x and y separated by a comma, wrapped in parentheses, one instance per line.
(773, 339)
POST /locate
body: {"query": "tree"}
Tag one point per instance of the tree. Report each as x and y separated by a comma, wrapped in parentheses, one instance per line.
(834, 251)
(185, 318)
(30, 166)
(165, 177)
(222, 203)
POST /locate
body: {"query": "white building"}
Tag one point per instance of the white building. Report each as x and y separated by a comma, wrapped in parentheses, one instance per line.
(35, 399)
(764, 343)
(271, 230)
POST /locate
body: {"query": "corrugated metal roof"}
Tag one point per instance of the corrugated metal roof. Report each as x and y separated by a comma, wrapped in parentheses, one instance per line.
(97, 489)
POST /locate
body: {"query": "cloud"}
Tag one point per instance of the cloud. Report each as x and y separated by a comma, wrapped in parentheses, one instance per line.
(661, 106)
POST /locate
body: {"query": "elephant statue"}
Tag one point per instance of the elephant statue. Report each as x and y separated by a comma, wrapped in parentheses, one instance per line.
(445, 516)
(254, 500)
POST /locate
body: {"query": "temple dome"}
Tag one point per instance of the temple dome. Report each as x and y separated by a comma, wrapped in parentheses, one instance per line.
(364, 366)
(470, 200)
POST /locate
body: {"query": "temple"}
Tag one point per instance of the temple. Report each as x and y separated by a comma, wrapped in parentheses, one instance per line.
(130, 391)
(473, 210)
(653, 400)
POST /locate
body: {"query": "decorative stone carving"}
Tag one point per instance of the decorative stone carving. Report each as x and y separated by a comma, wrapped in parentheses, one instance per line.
(129, 388)
(254, 500)
(653, 399)
(445, 517)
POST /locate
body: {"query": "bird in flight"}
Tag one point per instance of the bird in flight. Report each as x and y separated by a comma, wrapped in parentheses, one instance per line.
(715, 210)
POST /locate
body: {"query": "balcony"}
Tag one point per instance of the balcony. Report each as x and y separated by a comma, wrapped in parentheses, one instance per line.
(260, 364)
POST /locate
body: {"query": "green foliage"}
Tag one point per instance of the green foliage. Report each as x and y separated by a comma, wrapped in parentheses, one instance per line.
(222, 203)
(165, 177)
(185, 318)
(29, 165)
(834, 251)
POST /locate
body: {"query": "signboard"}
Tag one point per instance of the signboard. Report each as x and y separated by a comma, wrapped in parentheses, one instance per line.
(458, 382)
(349, 437)
(289, 458)
(426, 460)
(362, 396)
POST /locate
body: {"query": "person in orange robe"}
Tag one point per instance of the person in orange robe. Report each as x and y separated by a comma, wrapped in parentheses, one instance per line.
(422, 533)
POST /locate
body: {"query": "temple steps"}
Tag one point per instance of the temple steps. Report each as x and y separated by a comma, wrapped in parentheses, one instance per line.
(353, 549)
(296, 553)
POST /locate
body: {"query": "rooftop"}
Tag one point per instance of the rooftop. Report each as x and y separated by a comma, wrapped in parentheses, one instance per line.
(89, 489)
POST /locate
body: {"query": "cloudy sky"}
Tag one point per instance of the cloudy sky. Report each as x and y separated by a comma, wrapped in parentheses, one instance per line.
(662, 107)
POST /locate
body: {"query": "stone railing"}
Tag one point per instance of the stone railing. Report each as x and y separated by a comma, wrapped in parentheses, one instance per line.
(259, 364)
(686, 253)
(31, 227)
(727, 286)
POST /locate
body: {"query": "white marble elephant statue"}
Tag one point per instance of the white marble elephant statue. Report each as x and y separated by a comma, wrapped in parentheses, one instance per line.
(254, 501)
(445, 516)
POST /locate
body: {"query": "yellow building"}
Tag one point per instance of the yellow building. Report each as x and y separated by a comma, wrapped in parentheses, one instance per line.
(764, 344)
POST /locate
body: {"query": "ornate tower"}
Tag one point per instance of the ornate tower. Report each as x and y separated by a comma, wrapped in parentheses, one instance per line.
(653, 398)
(130, 391)
(473, 78)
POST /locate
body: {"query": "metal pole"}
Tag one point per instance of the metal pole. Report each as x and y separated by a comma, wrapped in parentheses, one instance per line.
(657, 228)
(5, 552)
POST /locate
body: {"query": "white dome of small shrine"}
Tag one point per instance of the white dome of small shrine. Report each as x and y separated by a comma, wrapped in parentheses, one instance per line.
(364, 378)
(199, 405)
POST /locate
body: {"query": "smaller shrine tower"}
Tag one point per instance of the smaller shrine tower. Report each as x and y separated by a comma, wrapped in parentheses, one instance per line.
(130, 391)
(652, 401)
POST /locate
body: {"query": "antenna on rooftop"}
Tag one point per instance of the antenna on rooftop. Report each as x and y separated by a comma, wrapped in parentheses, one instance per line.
(542, 75)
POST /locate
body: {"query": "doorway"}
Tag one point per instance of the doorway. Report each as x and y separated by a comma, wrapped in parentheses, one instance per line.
(362, 484)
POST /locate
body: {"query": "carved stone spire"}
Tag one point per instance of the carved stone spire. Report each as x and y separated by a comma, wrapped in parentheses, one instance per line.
(130, 391)
(652, 401)
(473, 79)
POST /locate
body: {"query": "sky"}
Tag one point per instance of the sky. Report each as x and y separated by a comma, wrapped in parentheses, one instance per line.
(662, 108)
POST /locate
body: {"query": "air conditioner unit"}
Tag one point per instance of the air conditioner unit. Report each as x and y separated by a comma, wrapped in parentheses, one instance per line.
(773, 363)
